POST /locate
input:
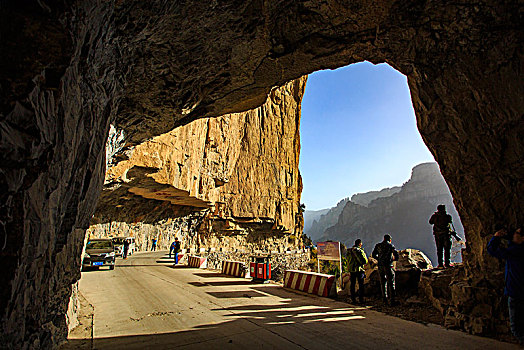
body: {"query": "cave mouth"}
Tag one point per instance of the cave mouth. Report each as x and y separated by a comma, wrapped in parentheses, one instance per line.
(359, 135)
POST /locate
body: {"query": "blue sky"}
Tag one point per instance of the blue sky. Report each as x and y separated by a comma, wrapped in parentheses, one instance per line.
(358, 133)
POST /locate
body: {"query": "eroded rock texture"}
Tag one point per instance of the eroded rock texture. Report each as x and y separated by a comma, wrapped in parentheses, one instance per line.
(69, 68)
(237, 173)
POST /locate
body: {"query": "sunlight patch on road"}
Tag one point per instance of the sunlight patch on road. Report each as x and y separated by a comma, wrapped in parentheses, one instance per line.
(280, 323)
(327, 313)
(336, 319)
(290, 309)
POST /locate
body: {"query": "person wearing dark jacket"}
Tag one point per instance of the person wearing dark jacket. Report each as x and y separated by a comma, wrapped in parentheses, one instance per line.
(176, 249)
(125, 248)
(514, 286)
(385, 253)
(356, 260)
(441, 221)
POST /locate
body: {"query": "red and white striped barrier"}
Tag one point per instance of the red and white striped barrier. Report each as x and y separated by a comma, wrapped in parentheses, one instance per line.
(196, 261)
(180, 257)
(233, 268)
(311, 282)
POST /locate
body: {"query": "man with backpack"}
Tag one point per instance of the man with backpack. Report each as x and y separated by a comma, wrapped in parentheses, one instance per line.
(441, 221)
(153, 244)
(385, 253)
(356, 261)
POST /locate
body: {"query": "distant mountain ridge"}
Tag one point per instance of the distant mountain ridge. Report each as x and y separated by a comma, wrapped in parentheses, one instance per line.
(404, 214)
(313, 215)
(366, 198)
(317, 227)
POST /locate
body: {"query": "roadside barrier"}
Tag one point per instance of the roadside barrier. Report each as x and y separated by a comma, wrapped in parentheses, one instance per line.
(196, 261)
(311, 283)
(233, 268)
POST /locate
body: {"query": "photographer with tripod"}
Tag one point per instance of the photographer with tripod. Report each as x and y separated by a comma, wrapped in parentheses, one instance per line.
(441, 222)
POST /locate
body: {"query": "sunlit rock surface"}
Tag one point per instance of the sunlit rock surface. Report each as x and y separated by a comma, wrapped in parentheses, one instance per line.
(71, 68)
(238, 171)
(243, 164)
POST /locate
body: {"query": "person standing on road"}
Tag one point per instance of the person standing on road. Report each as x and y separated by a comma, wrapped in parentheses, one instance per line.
(125, 248)
(176, 249)
(385, 253)
(441, 221)
(356, 261)
(514, 286)
(171, 248)
(153, 245)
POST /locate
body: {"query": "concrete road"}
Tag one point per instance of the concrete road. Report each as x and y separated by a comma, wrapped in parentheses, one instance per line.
(147, 303)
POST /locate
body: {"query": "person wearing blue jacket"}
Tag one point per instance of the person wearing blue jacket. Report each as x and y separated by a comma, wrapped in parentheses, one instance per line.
(514, 287)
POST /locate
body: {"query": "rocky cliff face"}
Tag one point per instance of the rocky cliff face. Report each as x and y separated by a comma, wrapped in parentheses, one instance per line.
(237, 173)
(404, 215)
(329, 217)
(71, 68)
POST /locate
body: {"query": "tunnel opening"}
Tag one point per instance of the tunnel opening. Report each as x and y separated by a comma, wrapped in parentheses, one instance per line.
(362, 151)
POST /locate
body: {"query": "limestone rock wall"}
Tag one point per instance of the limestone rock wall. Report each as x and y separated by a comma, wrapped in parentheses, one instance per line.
(226, 183)
(244, 165)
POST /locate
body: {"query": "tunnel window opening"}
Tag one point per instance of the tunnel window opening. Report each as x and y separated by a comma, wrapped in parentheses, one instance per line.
(360, 144)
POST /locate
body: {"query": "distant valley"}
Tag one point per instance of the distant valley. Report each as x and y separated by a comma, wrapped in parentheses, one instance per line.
(401, 211)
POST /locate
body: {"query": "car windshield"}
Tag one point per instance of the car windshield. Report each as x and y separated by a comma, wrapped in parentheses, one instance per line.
(118, 240)
(99, 245)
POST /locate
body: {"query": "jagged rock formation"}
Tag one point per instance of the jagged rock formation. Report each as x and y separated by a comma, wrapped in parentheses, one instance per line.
(325, 221)
(329, 217)
(404, 215)
(365, 198)
(70, 68)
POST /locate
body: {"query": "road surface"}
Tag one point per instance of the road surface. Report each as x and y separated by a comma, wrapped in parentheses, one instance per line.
(147, 303)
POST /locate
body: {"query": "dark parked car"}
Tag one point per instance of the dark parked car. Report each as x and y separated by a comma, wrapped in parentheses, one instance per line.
(99, 252)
